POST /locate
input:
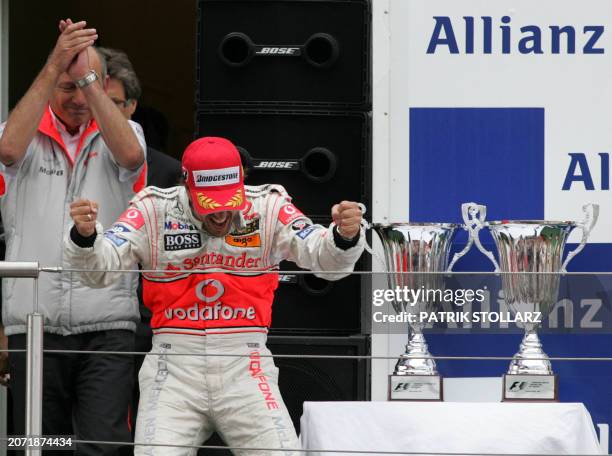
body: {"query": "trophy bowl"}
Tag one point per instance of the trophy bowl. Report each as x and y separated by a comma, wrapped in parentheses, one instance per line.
(531, 263)
(530, 256)
(416, 256)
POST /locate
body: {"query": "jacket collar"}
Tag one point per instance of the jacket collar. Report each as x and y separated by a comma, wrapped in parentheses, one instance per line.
(48, 128)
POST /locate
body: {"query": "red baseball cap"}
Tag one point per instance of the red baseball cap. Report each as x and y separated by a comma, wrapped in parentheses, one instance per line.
(213, 172)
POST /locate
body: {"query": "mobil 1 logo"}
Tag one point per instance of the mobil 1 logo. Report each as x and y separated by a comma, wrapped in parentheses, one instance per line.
(182, 241)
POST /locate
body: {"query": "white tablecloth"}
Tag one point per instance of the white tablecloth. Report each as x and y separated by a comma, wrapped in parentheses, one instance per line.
(485, 428)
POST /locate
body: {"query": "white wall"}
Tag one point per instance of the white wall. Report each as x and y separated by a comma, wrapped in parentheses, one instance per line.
(574, 89)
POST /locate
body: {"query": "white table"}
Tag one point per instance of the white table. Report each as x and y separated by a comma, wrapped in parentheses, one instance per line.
(485, 428)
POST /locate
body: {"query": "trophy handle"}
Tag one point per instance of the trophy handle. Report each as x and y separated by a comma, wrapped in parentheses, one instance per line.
(367, 226)
(474, 220)
(591, 214)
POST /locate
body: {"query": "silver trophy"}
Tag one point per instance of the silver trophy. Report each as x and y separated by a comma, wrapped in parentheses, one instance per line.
(531, 262)
(416, 256)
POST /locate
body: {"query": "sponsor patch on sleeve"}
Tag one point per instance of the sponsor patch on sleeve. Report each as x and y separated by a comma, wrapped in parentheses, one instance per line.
(114, 238)
(299, 225)
(303, 234)
(288, 213)
(131, 217)
(117, 228)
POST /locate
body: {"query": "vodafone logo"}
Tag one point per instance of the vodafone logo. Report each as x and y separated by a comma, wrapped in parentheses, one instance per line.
(132, 217)
(209, 290)
(290, 210)
(288, 213)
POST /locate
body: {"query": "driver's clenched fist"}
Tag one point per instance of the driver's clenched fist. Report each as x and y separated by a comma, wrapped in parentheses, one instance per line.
(84, 214)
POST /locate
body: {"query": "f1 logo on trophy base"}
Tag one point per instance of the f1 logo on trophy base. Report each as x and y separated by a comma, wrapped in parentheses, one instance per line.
(410, 387)
(531, 387)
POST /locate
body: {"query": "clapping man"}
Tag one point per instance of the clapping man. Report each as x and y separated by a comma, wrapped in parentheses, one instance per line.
(66, 140)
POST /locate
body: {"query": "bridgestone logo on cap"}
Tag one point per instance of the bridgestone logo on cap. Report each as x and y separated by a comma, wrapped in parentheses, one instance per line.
(214, 177)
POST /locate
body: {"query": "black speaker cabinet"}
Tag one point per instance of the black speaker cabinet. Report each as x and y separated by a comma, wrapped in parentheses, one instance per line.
(307, 53)
(321, 158)
(304, 379)
(320, 379)
(306, 304)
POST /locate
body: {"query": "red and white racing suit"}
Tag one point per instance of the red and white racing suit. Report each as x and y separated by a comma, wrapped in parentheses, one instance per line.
(211, 296)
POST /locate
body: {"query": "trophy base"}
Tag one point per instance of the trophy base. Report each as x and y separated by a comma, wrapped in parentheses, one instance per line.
(530, 387)
(415, 388)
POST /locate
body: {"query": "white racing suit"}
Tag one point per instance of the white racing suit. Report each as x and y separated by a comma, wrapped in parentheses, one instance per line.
(210, 296)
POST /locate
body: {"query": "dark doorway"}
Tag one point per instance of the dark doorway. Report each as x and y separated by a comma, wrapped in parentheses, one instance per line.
(158, 36)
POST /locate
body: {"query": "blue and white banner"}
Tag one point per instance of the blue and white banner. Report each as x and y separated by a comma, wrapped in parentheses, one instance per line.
(506, 103)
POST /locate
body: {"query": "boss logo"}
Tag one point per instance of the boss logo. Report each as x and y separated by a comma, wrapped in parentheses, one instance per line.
(182, 241)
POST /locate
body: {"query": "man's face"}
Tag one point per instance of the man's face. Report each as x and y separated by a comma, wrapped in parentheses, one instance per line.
(116, 92)
(217, 224)
(68, 101)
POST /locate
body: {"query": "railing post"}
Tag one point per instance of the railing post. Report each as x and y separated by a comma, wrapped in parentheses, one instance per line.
(34, 379)
(34, 351)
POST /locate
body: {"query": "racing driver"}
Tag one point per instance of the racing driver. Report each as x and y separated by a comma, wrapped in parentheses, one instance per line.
(210, 250)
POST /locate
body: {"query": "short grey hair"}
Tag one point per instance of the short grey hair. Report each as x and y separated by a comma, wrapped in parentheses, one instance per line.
(103, 66)
(119, 67)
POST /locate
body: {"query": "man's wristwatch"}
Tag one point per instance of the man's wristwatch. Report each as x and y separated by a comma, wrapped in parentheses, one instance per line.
(89, 78)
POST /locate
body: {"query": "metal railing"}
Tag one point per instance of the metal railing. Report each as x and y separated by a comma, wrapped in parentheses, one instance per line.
(35, 353)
